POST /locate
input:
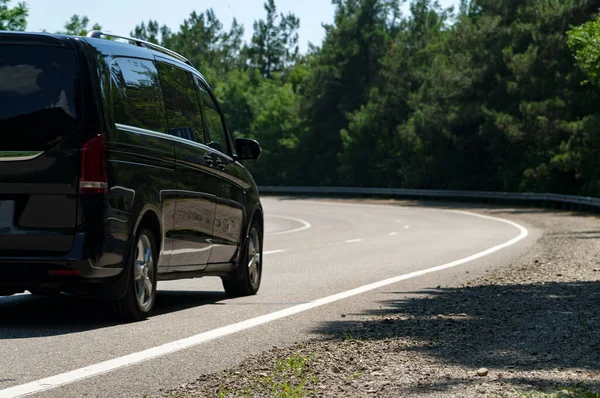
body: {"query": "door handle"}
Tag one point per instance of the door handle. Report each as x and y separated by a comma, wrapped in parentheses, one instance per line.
(220, 165)
(209, 160)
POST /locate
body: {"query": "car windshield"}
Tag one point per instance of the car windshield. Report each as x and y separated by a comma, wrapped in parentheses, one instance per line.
(38, 93)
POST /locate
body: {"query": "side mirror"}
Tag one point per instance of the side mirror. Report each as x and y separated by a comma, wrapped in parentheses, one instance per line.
(247, 149)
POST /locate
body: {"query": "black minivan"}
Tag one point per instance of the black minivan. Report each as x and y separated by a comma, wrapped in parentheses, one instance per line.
(118, 169)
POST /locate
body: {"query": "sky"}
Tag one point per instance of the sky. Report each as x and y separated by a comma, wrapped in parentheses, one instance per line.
(121, 16)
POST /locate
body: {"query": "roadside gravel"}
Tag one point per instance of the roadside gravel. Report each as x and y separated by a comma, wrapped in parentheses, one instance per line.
(526, 330)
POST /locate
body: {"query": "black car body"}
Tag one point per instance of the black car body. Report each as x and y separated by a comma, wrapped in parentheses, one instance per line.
(101, 140)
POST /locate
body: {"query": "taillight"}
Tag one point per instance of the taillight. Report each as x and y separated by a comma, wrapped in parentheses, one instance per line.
(93, 176)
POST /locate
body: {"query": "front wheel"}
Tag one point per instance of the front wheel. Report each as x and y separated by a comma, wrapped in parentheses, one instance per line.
(252, 266)
(140, 296)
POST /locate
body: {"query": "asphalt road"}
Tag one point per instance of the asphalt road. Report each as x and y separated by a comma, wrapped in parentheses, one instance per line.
(314, 250)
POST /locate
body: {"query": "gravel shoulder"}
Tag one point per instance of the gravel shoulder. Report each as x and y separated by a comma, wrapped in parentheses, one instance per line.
(531, 329)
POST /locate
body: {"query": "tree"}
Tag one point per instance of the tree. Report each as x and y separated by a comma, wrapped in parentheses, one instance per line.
(275, 122)
(202, 40)
(152, 32)
(487, 97)
(78, 26)
(342, 73)
(584, 42)
(275, 41)
(14, 18)
(373, 136)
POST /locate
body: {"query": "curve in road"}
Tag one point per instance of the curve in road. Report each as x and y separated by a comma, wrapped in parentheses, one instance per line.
(314, 263)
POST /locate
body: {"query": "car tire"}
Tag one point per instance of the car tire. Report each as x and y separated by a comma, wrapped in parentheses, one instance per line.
(251, 262)
(140, 296)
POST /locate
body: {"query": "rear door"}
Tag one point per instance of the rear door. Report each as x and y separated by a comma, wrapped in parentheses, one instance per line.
(141, 152)
(229, 212)
(196, 185)
(40, 116)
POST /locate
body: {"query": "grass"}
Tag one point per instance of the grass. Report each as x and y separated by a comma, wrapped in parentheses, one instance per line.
(356, 375)
(348, 336)
(289, 378)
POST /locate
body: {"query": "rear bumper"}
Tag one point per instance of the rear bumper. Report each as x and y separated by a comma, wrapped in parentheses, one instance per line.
(71, 272)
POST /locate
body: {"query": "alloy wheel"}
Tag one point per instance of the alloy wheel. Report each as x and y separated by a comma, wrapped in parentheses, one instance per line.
(254, 260)
(144, 273)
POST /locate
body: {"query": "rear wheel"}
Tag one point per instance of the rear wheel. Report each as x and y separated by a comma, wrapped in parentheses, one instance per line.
(139, 299)
(251, 261)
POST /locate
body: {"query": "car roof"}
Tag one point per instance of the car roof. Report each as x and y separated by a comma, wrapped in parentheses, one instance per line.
(42, 37)
(134, 47)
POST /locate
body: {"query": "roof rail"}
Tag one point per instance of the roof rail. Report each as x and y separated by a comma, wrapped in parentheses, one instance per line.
(96, 34)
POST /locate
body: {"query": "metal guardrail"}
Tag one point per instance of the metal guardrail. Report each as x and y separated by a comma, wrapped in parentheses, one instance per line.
(536, 198)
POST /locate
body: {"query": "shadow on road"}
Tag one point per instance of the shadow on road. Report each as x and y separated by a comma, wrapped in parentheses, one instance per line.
(27, 316)
(514, 329)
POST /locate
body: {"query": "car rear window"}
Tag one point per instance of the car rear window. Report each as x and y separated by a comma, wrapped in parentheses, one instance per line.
(38, 93)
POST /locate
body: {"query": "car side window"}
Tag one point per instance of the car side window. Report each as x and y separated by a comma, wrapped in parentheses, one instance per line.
(136, 94)
(183, 110)
(217, 136)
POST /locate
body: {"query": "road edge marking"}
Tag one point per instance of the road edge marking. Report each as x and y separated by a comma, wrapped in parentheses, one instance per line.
(305, 225)
(274, 252)
(62, 379)
(355, 240)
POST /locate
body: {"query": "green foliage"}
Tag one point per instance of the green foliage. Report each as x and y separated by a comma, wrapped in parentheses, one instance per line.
(275, 41)
(584, 41)
(152, 32)
(78, 26)
(202, 40)
(403, 68)
(343, 72)
(14, 18)
(291, 378)
(487, 96)
(347, 335)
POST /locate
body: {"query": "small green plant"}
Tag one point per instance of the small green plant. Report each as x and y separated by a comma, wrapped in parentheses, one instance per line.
(295, 364)
(348, 336)
(356, 375)
(290, 379)
(246, 393)
(223, 392)
(287, 390)
(381, 312)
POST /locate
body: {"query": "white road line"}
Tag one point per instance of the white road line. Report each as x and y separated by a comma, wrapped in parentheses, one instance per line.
(354, 240)
(399, 221)
(305, 225)
(407, 227)
(169, 348)
(274, 252)
(393, 233)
